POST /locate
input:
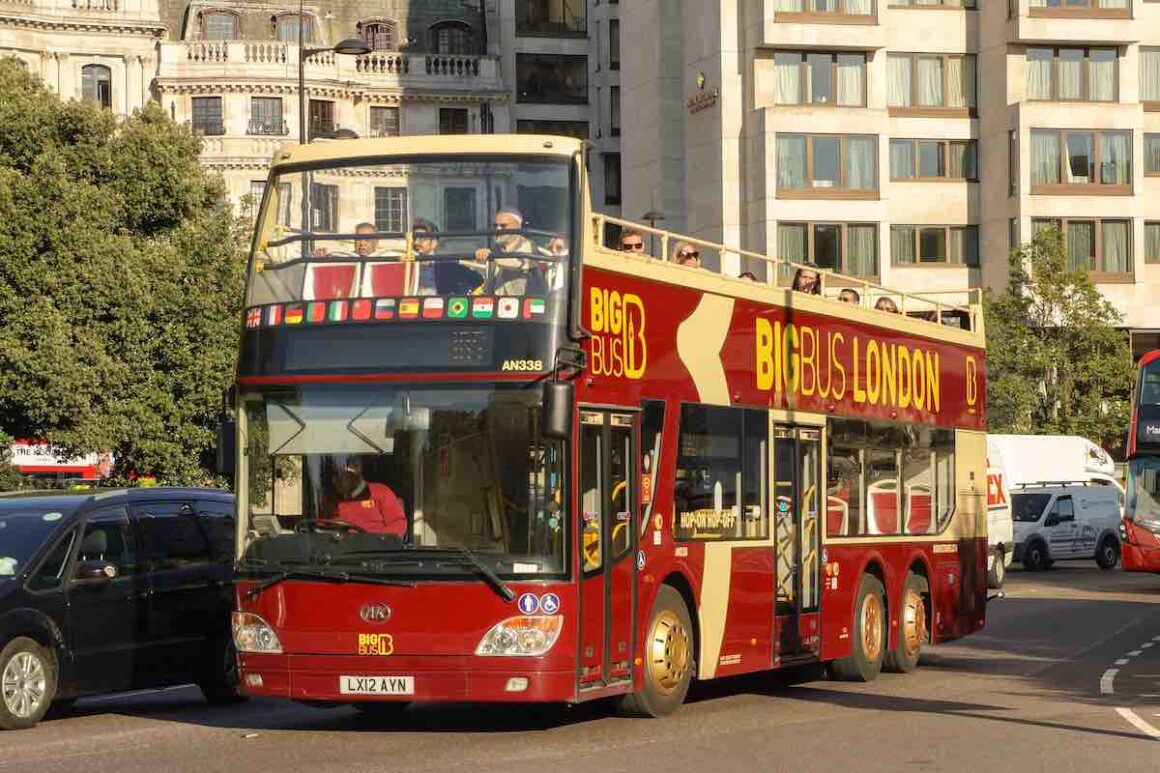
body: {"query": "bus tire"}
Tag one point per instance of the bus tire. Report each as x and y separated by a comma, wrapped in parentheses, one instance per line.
(1108, 553)
(668, 659)
(1035, 557)
(913, 632)
(870, 632)
(998, 571)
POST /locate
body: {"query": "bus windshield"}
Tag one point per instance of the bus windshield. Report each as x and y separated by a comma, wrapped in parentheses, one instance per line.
(439, 226)
(385, 480)
(1143, 505)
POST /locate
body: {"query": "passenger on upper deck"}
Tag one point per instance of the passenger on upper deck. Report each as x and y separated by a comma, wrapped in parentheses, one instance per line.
(371, 507)
(368, 245)
(512, 275)
(886, 304)
(632, 241)
(440, 277)
(686, 254)
(851, 296)
(806, 280)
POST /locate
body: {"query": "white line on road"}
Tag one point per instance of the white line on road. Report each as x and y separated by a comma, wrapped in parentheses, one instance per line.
(1134, 653)
(1107, 680)
(1122, 662)
(1138, 723)
(1147, 644)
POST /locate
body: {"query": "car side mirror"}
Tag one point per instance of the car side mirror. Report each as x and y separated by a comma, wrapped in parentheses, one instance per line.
(95, 573)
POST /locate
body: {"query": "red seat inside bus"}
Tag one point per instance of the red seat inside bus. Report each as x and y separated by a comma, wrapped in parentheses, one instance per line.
(883, 510)
(328, 282)
(837, 511)
(918, 512)
(386, 279)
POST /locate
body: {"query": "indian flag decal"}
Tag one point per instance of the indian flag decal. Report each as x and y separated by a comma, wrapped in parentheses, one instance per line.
(483, 308)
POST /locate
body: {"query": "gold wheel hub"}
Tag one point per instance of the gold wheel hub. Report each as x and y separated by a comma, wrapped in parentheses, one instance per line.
(872, 627)
(668, 651)
(913, 623)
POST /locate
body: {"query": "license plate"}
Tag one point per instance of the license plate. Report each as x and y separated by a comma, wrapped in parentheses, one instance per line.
(377, 685)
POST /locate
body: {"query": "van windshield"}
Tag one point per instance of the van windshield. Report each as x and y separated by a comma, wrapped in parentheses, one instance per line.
(1028, 507)
(21, 535)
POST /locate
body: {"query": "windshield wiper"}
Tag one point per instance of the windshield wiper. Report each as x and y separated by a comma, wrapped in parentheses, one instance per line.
(493, 579)
(335, 577)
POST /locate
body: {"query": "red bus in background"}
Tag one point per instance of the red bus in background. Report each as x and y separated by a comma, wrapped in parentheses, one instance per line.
(1140, 529)
(41, 460)
(617, 474)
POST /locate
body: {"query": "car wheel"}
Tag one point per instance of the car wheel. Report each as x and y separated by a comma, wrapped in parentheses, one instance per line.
(27, 683)
(1108, 553)
(913, 631)
(668, 661)
(870, 634)
(220, 683)
(1035, 557)
(998, 571)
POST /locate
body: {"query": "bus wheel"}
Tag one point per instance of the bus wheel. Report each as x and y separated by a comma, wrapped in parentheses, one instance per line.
(904, 659)
(865, 661)
(998, 571)
(1108, 554)
(668, 658)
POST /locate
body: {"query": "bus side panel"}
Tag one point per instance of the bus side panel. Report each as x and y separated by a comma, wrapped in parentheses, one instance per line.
(747, 643)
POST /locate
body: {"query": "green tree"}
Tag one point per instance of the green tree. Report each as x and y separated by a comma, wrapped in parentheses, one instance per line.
(120, 283)
(1057, 362)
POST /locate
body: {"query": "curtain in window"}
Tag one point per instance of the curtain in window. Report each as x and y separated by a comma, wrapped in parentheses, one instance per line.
(861, 155)
(902, 245)
(901, 159)
(1081, 245)
(861, 250)
(1102, 75)
(962, 161)
(930, 81)
(1071, 63)
(858, 7)
(791, 243)
(1151, 153)
(851, 79)
(787, 79)
(788, 5)
(1039, 66)
(1115, 243)
(791, 162)
(1115, 168)
(960, 81)
(1044, 158)
(1150, 74)
(899, 89)
(955, 253)
(1152, 242)
(1113, 4)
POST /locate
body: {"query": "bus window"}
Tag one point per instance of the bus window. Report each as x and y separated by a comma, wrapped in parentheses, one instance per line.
(918, 490)
(882, 494)
(652, 424)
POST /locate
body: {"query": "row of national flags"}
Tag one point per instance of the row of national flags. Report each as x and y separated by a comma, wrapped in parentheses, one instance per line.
(380, 309)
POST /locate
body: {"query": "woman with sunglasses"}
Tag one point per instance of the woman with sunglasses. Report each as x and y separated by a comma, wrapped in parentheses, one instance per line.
(686, 254)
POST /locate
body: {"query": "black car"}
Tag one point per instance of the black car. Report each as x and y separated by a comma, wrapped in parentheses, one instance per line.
(111, 590)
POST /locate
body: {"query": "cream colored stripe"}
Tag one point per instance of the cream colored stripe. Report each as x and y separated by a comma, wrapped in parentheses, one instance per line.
(714, 605)
(699, 342)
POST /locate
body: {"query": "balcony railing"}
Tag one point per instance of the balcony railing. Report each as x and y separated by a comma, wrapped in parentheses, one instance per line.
(206, 128)
(268, 128)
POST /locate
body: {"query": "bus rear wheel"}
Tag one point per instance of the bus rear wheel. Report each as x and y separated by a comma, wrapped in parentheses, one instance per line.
(869, 646)
(668, 659)
(904, 658)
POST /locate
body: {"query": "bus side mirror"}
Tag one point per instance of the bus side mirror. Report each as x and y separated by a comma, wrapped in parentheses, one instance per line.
(227, 448)
(557, 409)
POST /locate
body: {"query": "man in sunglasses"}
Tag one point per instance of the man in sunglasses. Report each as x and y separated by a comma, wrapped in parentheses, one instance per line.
(686, 254)
(632, 241)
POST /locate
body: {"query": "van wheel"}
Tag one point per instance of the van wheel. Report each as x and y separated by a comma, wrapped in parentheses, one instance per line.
(220, 684)
(27, 683)
(1108, 553)
(668, 659)
(998, 571)
(904, 658)
(1035, 557)
(870, 632)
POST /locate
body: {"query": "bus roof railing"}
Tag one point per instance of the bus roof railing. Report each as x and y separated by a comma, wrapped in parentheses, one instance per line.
(923, 302)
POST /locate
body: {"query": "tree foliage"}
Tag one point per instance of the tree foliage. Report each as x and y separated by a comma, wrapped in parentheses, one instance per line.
(120, 283)
(1057, 362)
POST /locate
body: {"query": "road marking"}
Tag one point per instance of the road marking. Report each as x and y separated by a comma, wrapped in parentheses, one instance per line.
(1134, 653)
(1138, 723)
(1122, 662)
(1107, 680)
(1147, 644)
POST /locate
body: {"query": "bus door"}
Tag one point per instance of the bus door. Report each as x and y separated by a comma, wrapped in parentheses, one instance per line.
(797, 539)
(608, 503)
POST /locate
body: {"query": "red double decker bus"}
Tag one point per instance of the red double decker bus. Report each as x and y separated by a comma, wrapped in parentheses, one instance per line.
(485, 458)
(1140, 529)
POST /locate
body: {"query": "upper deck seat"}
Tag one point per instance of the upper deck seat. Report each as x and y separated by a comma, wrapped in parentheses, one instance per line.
(387, 279)
(329, 281)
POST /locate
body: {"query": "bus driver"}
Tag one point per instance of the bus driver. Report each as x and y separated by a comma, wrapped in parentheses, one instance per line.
(369, 506)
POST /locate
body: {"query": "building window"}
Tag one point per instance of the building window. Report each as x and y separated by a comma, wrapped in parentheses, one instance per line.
(1152, 242)
(1085, 8)
(614, 44)
(612, 179)
(967, 4)
(1012, 162)
(551, 17)
(1152, 154)
(379, 35)
(614, 110)
(931, 81)
(1150, 74)
(819, 78)
(452, 37)
(848, 248)
(577, 129)
(324, 207)
(97, 84)
(286, 27)
(257, 188)
(826, 164)
(207, 116)
(321, 118)
(453, 120)
(391, 210)
(459, 210)
(1071, 74)
(219, 25)
(1101, 247)
(266, 116)
(285, 194)
(384, 122)
(933, 160)
(552, 79)
(1102, 159)
(925, 244)
(835, 7)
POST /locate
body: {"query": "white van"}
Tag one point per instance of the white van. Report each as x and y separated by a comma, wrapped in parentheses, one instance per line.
(1000, 529)
(1066, 520)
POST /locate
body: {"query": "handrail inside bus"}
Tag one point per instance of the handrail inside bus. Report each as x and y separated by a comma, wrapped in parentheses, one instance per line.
(923, 302)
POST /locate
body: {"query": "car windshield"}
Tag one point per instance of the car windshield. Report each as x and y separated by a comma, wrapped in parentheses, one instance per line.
(1143, 505)
(379, 480)
(1028, 507)
(438, 226)
(21, 534)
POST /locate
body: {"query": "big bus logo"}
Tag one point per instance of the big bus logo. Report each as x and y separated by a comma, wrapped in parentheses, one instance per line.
(618, 344)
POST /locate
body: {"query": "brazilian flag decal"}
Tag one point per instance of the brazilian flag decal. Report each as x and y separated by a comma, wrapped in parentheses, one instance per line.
(457, 308)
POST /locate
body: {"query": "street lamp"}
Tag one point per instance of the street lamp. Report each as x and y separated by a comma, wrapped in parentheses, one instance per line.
(348, 47)
(652, 216)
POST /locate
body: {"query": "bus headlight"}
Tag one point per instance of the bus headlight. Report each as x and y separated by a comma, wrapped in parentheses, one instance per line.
(521, 636)
(253, 634)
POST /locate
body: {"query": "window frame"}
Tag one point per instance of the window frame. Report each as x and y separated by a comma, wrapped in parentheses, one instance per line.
(370, 30)
(1095, 188)
(941, 5)
(402, 201)
(1155, 137)
(946, 261)
(381, 110)
(1089, 10)
(1150, 259)
(1096, 274)
(933, 111)
(99, 84)
(198, 125)
(205, 15)
(840, 16)
(306, 21)
(555, 95)
(843, 248)
(945, 153)
(548, 27)
(1086, 95)
(804, 71)
(273, 128)
(810, 190)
